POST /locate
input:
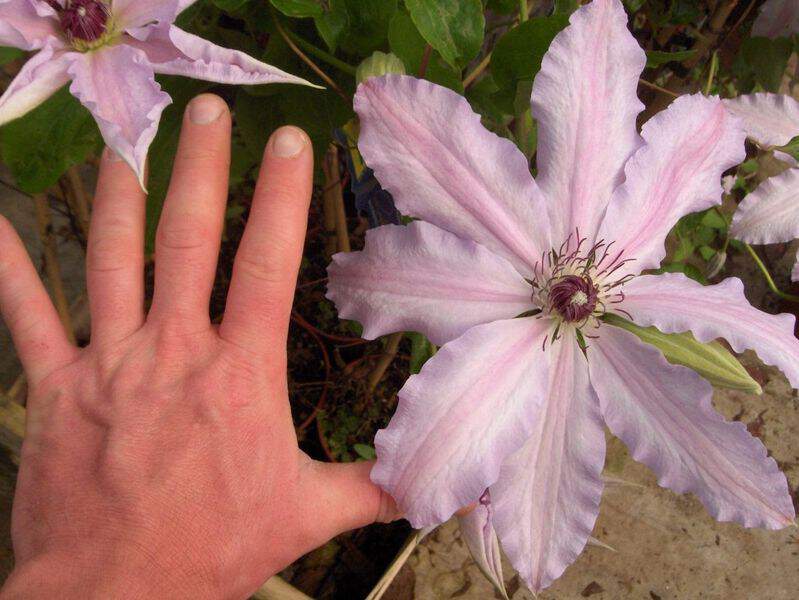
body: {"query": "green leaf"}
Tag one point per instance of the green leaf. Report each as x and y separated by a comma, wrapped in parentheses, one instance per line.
(453, 27)
(368, 25)
(256, 118)
(712, 361)
(408, 44)
(714, 220)
(39, 147)
(766, 60)
(518, 54)
(297, 8)
(655, 58)
(364, 451)
(230, 6)
(421, 351)
(565, 7)
(9, 54)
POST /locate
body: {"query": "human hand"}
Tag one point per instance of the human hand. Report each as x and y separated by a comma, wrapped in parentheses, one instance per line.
(161, 460)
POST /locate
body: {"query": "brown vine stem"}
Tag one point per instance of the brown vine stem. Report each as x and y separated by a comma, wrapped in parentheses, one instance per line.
(428, 51)
(657, 88)
(76, 198)
(478, 70)
(392, 345)
(304, 58)
(52, 268)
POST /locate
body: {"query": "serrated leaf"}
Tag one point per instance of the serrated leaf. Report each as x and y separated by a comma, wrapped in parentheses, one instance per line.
(455, 28)
(39, 147)
(712, 361)
(368, 25)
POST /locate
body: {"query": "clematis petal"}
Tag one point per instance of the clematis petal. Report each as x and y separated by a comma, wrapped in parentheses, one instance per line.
(477, 529)
(664, 415)
(38, 79)
(470, 407)
(422, 278)
(769, 119)
(777, 18)
(429, 149)
(547, 497)
(678, 171)
(172, 51)
(674, 303)
(28, 24)
(770, 214)
(118, 86)
(132, 14)
(585, 100)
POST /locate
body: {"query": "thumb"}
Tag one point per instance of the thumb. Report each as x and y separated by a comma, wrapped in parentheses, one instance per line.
(340, 496)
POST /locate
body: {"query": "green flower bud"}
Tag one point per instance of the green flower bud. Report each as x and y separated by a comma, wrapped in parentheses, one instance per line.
(377, 65)
(712, 361)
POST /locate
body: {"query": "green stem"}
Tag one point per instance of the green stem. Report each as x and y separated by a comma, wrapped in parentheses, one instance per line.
(321, 54)
(711, 76)
(523, 12)
(767, 276)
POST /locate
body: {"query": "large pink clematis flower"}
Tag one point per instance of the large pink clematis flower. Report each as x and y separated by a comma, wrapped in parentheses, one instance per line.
(770, 214)
(111, 50)
(512, 275)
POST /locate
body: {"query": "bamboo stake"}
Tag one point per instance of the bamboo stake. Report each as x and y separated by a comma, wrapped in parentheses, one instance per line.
(277, 589)
(392, 345)
(329, 203)
(78, 200)
(394, 568)
(50, 253)
(337, 199)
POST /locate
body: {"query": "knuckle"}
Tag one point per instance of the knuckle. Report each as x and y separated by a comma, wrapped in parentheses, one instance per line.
(181, 236)
(109, 253)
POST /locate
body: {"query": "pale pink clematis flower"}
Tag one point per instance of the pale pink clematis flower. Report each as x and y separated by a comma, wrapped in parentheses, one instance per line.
(111, 51)
(770, 214)
(777, 18)
(508, 274)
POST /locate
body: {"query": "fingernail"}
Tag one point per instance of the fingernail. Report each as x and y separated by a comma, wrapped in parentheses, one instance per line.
(206, 109)
(288, 142)
(111, 156)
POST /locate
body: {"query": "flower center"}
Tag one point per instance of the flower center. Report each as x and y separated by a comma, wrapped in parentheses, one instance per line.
(83, 21)
(573, 297)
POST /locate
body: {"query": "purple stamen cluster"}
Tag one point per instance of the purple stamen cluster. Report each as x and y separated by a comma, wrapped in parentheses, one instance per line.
(574, 298)
(84, 20)
(576, 282)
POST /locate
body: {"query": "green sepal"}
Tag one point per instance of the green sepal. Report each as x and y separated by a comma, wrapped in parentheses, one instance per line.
(712, 361)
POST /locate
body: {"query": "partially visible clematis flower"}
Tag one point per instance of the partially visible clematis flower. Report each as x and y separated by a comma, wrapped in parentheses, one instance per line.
(111, 51)
(777, 18)
(770, 214)
(513, 278)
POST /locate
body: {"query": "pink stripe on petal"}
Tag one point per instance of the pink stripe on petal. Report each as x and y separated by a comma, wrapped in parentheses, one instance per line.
(770, 214)
(38, 79)
(769, 119)
(547, 497)
(585, 100)
(429, 149)
(472, 405)
(664, 415)
(422, 278)
(172, 51)
(777, 18)
(674, 303)
(28, 24)
(118, 86)
(688, 147)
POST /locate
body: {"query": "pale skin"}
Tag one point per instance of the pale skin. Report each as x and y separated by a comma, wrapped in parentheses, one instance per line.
(161, 460)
